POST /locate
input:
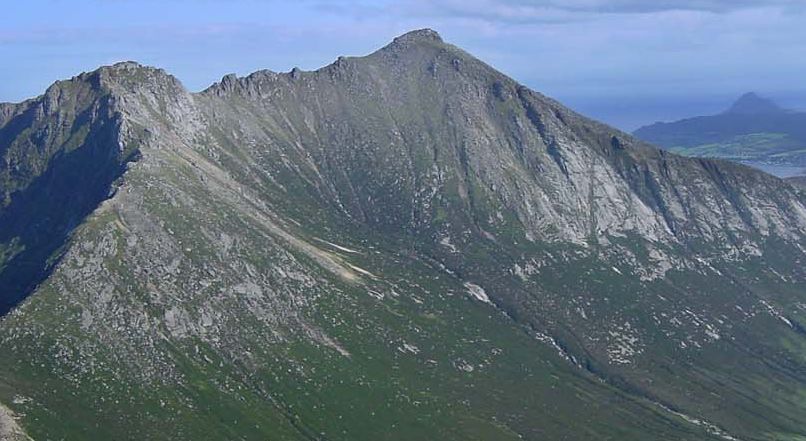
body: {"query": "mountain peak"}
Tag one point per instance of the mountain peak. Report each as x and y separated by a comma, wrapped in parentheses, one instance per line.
(415, 39)
(131, 76)
(121, 69)
(753, 104)
(126, 65)
(420, 35)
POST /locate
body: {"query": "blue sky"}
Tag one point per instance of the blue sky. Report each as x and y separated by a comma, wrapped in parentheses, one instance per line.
(627, 62)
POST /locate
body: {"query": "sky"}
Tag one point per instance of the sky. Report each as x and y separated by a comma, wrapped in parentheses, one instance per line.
(625, 62)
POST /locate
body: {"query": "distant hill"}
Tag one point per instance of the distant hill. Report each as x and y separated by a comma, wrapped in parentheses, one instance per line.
(754, 129)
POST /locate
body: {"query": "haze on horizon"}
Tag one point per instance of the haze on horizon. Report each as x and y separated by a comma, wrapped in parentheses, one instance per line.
(626, 62)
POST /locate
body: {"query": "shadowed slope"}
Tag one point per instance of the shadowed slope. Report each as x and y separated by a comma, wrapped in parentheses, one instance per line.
(62, 154)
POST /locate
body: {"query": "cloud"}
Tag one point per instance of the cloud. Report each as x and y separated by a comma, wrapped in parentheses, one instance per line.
(644, 6)
(539, 11)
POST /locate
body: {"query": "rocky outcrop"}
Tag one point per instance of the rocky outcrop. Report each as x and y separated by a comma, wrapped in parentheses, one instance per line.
(9, 429)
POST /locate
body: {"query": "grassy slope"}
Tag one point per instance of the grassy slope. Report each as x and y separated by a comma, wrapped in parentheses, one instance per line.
(474, 373)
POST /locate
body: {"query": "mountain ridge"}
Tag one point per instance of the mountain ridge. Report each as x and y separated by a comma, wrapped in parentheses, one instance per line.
(350, 252)
(515, 90)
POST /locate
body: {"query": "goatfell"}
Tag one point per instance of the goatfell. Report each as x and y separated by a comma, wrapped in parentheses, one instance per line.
(406, 245)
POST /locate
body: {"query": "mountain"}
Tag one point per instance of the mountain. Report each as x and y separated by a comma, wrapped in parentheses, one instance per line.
(752, 104)
(406, 245)
(752, 130)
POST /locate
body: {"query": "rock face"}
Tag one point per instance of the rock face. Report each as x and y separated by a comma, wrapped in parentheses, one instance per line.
(61, 154)
(9, 429)
(407, 245)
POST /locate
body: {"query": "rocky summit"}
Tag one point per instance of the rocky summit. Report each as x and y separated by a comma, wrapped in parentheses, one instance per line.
(407, 245)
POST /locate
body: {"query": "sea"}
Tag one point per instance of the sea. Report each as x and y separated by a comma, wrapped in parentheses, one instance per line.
(782, 171)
